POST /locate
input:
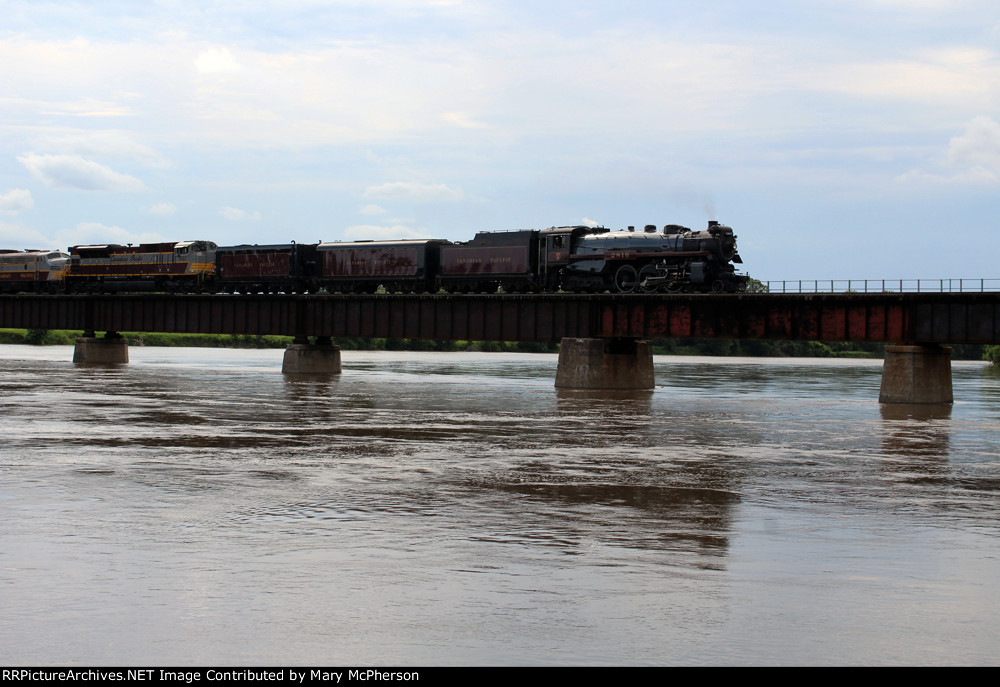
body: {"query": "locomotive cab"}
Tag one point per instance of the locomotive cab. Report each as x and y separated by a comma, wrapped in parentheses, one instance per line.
(556, 248)
(199, 256)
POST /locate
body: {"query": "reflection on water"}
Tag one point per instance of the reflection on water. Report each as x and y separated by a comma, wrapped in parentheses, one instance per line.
(916, 431)
(198, 506)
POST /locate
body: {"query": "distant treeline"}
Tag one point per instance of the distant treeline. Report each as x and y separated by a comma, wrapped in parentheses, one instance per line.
(724, 347)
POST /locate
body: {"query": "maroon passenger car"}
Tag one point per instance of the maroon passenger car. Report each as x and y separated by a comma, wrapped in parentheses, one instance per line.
(490, 259)
(364, 265)
(288, 268)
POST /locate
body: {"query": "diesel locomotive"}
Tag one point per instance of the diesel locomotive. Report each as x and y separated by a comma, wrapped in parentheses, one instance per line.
(570, 258)
(40, 271)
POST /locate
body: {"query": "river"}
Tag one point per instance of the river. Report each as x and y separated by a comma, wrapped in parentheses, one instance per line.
(198, 507)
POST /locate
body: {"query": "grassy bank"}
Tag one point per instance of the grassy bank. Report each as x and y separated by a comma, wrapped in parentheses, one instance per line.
(52, 337)
(992, 353)
(715, 347)
(45, 337)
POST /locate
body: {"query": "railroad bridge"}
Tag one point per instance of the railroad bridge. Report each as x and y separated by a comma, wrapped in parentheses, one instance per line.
(603, 336)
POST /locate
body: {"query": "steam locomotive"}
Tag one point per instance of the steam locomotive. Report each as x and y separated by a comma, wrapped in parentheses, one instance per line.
(570, 258)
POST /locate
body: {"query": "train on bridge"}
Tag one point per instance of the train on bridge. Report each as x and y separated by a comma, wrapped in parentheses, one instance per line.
(579, 259)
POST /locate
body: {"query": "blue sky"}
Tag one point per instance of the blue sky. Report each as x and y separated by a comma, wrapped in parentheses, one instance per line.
(841, 139)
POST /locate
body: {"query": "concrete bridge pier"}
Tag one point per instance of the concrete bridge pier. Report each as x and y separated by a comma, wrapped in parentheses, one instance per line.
(112, 349)
(605, 364)
(304, 358)
(916, 374)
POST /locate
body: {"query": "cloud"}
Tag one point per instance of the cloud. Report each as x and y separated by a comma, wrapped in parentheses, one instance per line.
(380, 233)
(373, 210)
(84, 233)
(88, 107)
(402, 190)
(98, 144)
(15, 201)
(464, 120)
(961, 76)
(95, 233)
(78, 173)
(971, 158)
(216, 61)
(237, 215)
(17, 237)
(978, 147)
(163, 209)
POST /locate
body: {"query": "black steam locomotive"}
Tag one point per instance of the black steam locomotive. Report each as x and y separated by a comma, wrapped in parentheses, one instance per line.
(572, 258)
(676, 259)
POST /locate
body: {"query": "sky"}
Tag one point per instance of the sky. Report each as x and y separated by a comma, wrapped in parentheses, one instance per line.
(841, 139)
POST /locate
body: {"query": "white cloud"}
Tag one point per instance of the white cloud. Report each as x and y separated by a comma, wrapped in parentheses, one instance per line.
(216, 61)
(237, 215)
(978, 147)
(402, 190)
(960, 77)
(79, 173)
(971, 158)
(464, 120)
(381, 233)
(15, 201)
(163, 209)
(84, 107)
(97, 144)
(95, 233)
(373, 210)
(19, 238)
(84, 233)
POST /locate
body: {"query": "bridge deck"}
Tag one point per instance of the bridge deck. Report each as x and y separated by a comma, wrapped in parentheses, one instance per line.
(893, 318)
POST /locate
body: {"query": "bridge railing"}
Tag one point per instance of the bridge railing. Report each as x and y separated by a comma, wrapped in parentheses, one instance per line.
(877, 286)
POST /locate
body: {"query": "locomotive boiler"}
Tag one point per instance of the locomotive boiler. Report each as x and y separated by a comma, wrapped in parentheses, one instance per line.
(675, 259)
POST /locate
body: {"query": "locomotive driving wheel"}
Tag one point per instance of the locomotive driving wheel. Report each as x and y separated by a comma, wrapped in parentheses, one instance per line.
(648, 272)
(626, 279)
